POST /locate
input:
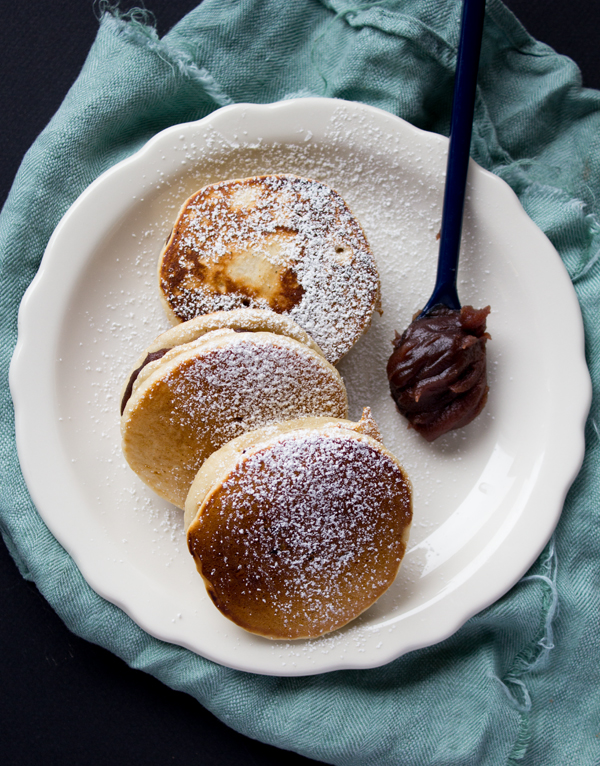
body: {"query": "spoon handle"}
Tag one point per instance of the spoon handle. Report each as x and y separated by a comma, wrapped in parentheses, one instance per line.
(463, 103)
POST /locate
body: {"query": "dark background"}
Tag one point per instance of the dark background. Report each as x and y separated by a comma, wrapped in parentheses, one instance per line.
(64, 701)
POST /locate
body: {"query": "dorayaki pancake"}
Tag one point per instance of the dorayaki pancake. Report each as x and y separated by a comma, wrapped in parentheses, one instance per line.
(199, 395)
(240, 320)
(298, 528)
(275, 242)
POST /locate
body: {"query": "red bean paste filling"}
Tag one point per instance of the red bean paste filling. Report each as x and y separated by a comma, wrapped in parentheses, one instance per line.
(151, 357)
(437, 371)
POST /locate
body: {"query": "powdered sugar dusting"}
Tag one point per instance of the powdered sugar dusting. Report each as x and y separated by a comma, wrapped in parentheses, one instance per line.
(252, 382)
(303, 536)
(227, 384)
(280, 242)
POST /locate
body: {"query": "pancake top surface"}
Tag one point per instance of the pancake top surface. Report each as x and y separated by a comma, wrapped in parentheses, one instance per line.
(200, 395)
(278, 242)
(239, 320)
(303, 534)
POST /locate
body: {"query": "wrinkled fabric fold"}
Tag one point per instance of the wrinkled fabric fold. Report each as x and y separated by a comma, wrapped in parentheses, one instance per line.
(518, 683)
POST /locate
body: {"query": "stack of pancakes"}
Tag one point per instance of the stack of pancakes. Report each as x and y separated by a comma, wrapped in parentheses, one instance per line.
(297, 518)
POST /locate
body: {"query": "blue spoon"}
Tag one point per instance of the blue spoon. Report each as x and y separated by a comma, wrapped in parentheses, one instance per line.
(465, 83)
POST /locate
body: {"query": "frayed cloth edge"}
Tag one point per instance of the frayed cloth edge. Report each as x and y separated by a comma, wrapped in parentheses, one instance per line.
(134, 26)
(512, 684)
(15, 555)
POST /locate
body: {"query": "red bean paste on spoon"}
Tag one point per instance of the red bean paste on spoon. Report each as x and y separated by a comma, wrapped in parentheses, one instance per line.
(437, 371)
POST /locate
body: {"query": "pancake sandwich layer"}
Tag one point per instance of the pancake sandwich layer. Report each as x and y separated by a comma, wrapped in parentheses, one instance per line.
(298, 528)
(187, 400)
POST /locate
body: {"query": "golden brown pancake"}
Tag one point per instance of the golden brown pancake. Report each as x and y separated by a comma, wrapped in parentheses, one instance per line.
(282, 243)
(298, 528)
(240, 320)
(199, 395)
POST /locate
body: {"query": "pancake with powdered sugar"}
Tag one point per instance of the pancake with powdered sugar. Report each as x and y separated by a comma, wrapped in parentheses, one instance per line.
(298, 528)
(186, 399)
(282, 243)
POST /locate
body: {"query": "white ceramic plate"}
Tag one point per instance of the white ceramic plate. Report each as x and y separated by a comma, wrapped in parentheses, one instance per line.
(486, 498)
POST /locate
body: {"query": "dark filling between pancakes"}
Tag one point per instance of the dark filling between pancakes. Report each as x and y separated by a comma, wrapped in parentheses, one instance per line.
(150, 357)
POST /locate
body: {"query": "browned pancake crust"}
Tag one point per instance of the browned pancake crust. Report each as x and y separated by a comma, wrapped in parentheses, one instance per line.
(278, 242)
(302, 536)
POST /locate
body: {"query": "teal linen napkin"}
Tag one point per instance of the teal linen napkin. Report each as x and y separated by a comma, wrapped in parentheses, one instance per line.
(520, 682)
